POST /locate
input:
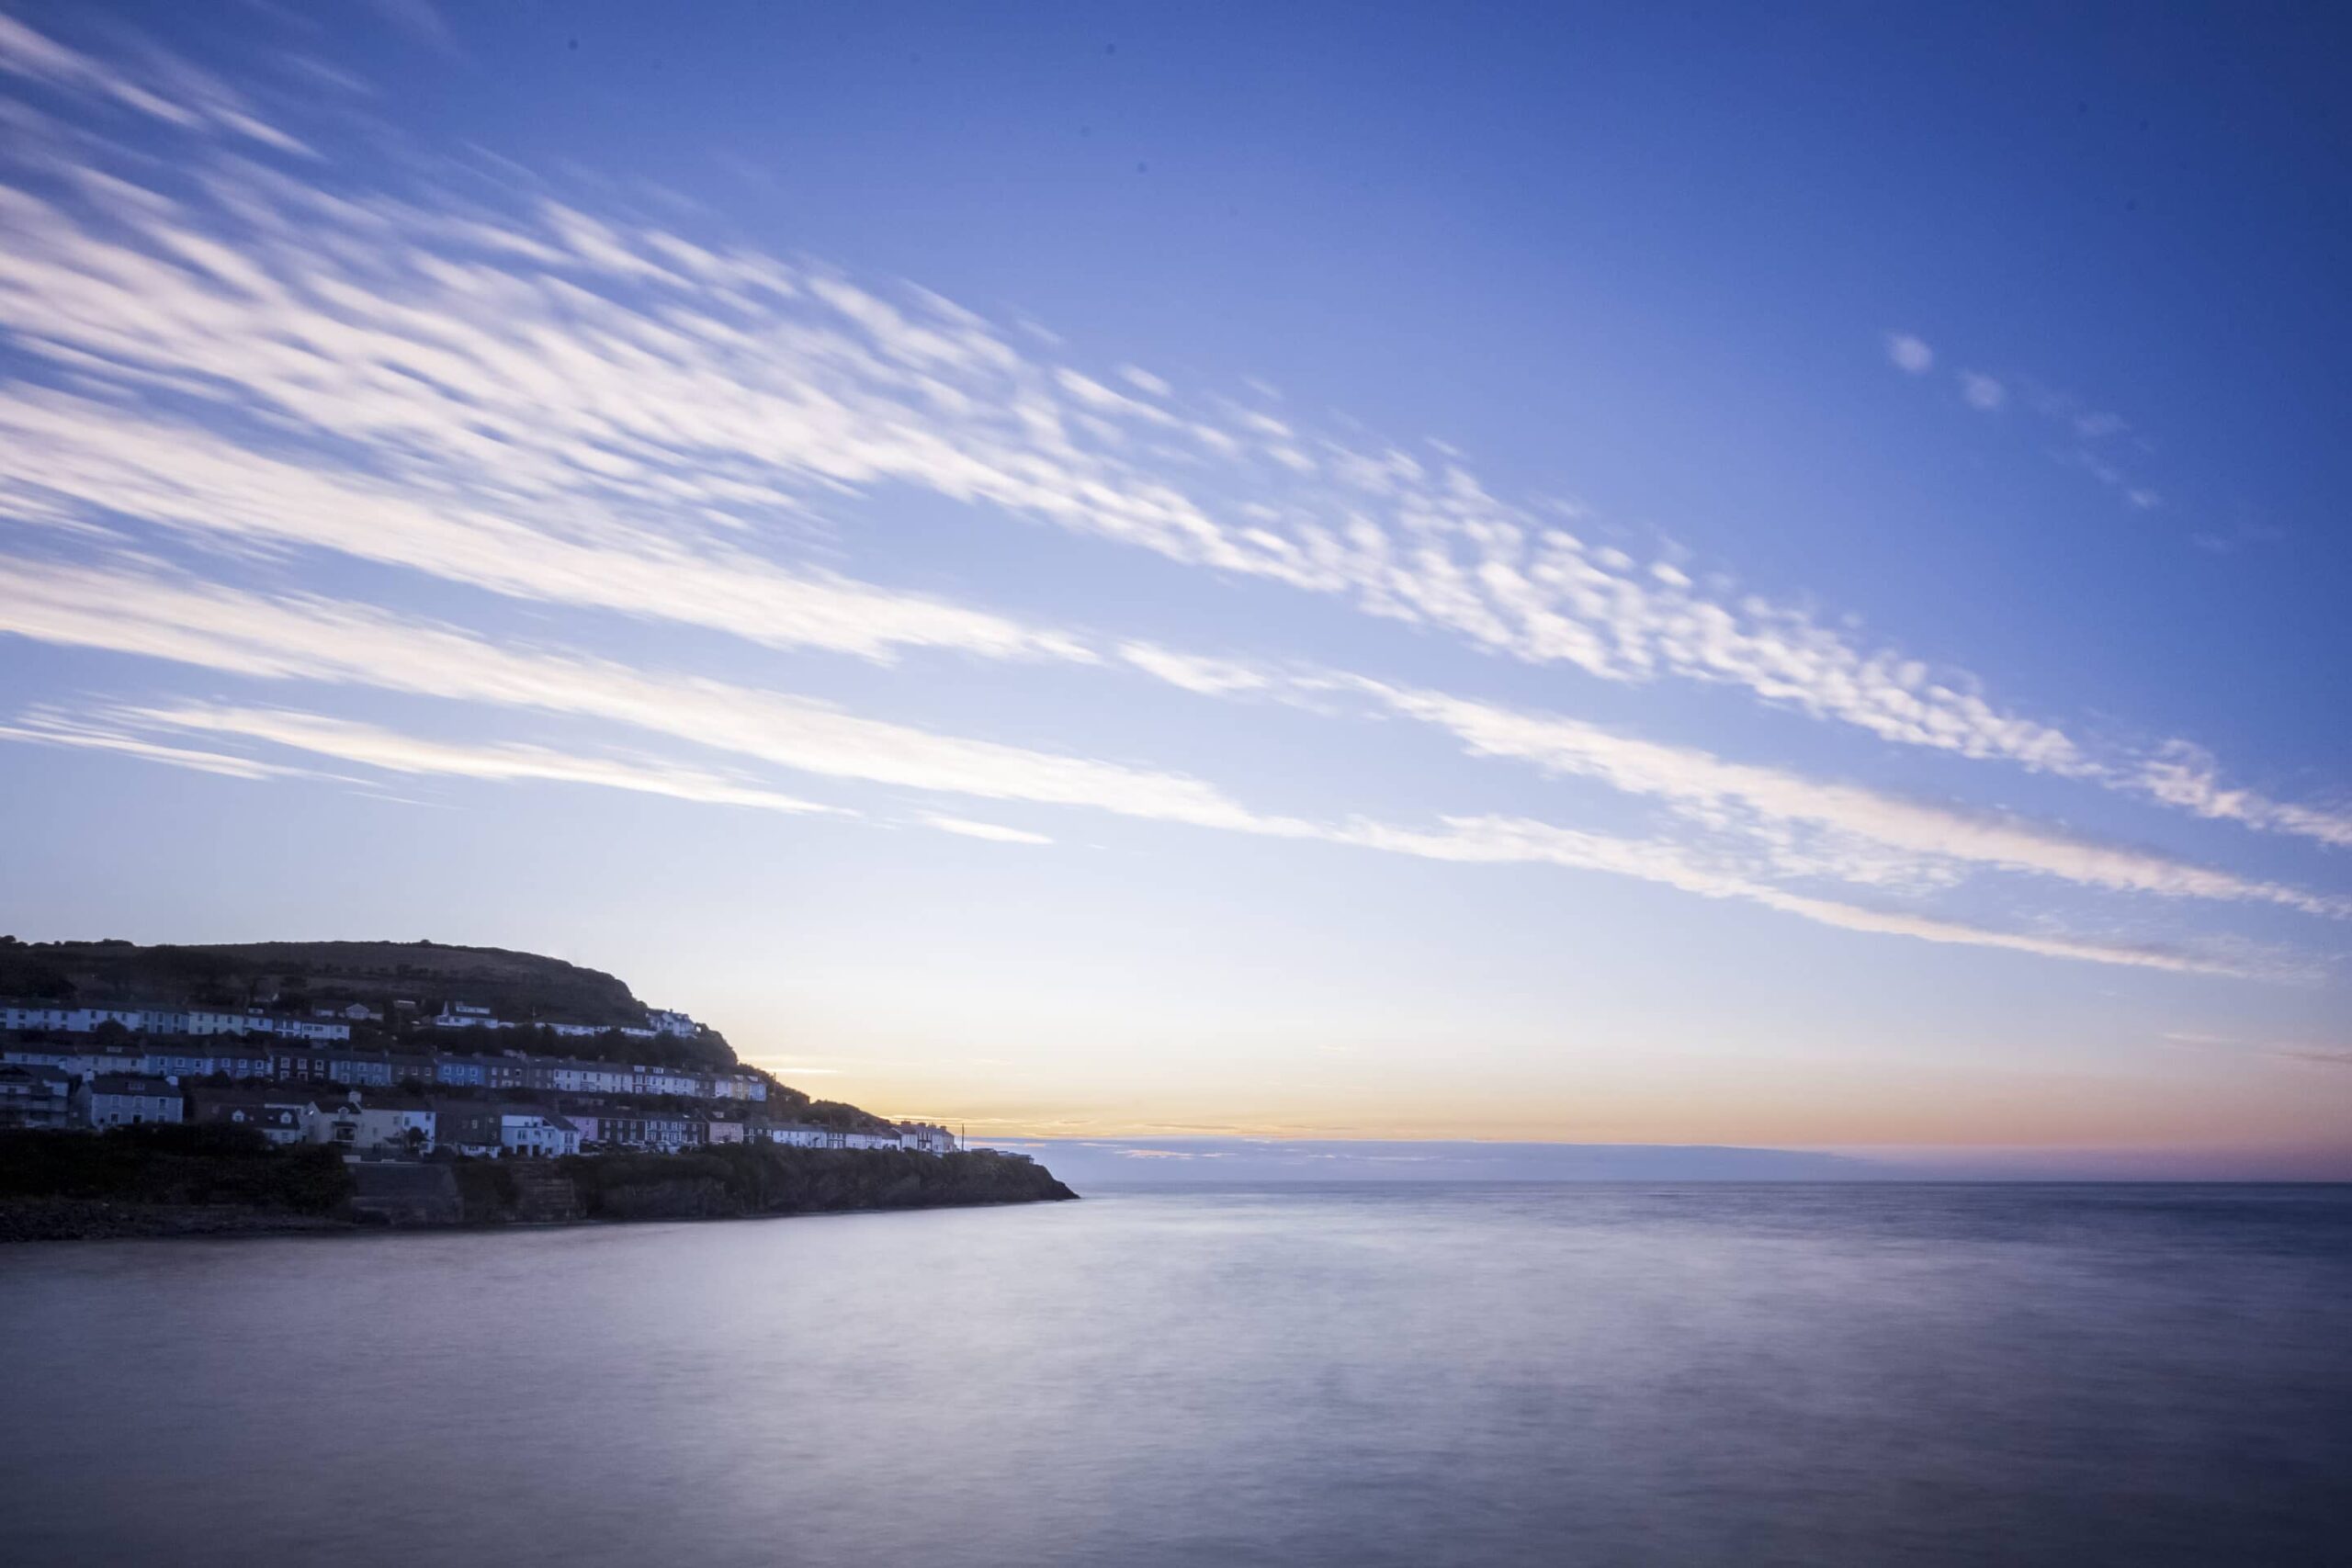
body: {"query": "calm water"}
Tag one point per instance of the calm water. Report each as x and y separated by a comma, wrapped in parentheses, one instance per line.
(1582, 1375)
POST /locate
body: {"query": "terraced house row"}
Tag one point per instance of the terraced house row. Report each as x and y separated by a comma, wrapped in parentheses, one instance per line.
(201, 1022)
(359, 1068)
(405, 1126)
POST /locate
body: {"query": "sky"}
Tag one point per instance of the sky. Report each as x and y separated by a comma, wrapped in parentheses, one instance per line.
(1743, 576)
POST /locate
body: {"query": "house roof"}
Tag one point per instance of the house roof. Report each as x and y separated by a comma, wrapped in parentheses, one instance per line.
(128, 1083)
(241, 1094)
(279, 1113)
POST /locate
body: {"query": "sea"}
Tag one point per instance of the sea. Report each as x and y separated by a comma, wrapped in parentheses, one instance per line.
(1367, 1374)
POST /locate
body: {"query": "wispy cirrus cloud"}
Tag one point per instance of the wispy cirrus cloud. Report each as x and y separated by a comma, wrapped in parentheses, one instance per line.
(1192, 672)
(314, 640)
(1982, 392)
(2186, 776)
(1909, 354)
(393, 751)
(569, 405)
(1721, 792)
(993, 832)
(1503, 841)
(2317, 1054)
(551, 403)
(2091, 440)
(44, 727)
(155, 86)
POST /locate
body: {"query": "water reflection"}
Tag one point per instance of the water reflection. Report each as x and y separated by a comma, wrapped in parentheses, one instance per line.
(1398, 1375)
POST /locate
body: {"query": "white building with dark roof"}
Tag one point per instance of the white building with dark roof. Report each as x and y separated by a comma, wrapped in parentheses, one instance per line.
(275, 1116)
(122, 1099)
(528, 1131)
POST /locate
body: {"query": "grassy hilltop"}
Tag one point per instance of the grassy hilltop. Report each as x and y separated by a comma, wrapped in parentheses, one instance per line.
(512, 985)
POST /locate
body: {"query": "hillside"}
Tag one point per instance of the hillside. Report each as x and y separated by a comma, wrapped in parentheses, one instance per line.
(298, 975)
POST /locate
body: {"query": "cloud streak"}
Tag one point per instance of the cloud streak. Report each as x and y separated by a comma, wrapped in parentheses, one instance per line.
(1721, 792)
(226, 353)
(309, 638)
(258, 637)
(392, 751)
(551, 404)
(1909, 354)
(993, 832)
(1503, 841)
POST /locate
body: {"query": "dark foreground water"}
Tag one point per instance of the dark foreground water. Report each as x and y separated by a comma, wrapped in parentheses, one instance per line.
(1556, 1375)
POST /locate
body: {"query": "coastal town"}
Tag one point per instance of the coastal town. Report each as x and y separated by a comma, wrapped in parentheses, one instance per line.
(441, 1086)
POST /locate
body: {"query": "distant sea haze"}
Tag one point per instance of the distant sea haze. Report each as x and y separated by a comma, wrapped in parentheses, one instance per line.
(1226, 1160)
(1398, 1376)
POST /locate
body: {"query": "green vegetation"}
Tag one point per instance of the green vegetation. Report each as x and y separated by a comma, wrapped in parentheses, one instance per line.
(380, 975)
(257, 973)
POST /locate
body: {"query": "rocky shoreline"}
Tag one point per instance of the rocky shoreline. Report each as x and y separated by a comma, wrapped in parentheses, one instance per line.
(82, 1219)
(732, 1183)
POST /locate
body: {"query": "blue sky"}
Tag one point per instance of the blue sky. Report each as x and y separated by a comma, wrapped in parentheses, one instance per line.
(1745, 578)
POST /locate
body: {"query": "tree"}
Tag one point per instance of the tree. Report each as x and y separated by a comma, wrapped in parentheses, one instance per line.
(51, 984)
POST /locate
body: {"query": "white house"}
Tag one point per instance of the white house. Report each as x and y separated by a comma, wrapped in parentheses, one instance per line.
(924, 1138)
(536, 1133)
(579, 1077)
(463, 1015)
(737, 1085)
(181, 1061)
(144, 1019)
(259, 1022)
(84, 1020)
(665, 1080)
(120, 1100)
(673, 1023)
(800, 1134)
(400, 1125)
(333, 1121)
(79, 1062)
(278, 1117)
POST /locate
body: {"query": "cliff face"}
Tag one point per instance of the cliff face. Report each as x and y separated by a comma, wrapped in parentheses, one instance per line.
(170, 1180)
(165, 1180)
(738, 1181)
